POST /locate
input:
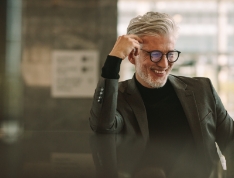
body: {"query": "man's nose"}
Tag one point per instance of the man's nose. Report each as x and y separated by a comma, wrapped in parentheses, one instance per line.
(163, 63)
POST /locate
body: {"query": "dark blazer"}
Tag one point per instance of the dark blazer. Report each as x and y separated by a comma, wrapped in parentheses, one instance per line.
(119, 108)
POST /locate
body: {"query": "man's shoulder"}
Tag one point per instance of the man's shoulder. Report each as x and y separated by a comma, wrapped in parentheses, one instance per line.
(192, 80)
(194, 83)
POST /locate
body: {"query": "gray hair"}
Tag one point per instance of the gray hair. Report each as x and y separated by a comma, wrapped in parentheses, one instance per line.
(153, 23)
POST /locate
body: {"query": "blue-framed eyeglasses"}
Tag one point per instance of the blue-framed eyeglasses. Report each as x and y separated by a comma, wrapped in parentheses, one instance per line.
(156, 56)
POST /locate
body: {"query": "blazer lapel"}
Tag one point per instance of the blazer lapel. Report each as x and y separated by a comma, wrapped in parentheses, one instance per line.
(136, 103)
(189, 105)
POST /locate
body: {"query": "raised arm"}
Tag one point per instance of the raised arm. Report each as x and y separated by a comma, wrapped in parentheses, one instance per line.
(104, 117)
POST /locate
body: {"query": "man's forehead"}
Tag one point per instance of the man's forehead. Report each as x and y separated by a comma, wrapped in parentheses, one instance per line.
(158, 39)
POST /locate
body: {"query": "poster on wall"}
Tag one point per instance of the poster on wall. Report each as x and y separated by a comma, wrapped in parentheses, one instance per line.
(74, 73)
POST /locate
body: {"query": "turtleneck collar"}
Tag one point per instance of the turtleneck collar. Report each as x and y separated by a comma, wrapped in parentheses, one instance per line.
(152, 95)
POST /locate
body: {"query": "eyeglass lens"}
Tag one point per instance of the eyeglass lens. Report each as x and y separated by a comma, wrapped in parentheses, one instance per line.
(171, 56)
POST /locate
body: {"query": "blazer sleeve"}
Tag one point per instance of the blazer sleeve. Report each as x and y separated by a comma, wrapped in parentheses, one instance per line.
(225, 134)
(104, 118)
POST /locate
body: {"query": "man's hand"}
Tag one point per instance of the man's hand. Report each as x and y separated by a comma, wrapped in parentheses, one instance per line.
(125, 45)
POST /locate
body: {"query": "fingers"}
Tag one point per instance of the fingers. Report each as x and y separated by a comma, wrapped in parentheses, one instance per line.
(136, 51)
(137, 38)
(125, 45)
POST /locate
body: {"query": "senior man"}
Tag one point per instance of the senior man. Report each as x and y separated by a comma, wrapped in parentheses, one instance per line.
(180, 118)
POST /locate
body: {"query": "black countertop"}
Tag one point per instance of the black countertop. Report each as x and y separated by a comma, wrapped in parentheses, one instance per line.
(74, 154)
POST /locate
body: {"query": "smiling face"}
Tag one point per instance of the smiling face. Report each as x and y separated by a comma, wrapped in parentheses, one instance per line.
(148, 73)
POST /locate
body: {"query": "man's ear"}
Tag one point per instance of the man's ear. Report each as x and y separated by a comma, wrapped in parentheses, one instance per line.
(132, 57)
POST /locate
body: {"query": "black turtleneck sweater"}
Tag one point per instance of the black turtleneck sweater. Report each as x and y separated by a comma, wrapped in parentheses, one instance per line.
(165, 114)
(170, 134)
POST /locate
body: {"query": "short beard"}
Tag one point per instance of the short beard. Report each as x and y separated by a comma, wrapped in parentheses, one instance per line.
(151, 82)
(158, 83)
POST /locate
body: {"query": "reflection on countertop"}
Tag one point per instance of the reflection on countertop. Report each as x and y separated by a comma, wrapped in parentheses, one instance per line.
(46, 154)
(74, 154)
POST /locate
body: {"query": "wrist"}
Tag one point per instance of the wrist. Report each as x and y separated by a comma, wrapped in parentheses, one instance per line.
(116, 54)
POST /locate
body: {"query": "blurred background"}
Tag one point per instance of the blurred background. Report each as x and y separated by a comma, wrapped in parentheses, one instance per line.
(52, 52)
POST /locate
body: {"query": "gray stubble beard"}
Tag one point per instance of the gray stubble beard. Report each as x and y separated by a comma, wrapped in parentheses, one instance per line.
(158, 83)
